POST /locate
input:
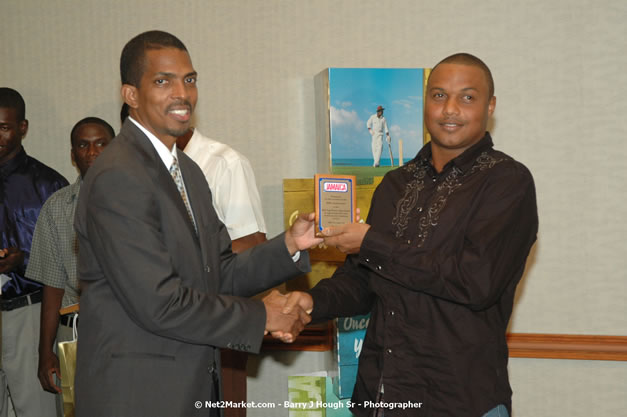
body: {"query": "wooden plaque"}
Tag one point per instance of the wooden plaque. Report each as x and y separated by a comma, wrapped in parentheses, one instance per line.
(334, 200)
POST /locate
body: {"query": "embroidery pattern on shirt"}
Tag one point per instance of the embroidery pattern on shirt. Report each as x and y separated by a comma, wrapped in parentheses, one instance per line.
(430, 219)
(442, 193)
(485, 161)
(407, 203)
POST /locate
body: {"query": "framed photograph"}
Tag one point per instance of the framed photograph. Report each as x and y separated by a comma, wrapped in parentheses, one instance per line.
(369, 120)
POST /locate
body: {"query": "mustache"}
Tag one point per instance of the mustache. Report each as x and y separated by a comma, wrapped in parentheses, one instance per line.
(452, 120)
(180, 103)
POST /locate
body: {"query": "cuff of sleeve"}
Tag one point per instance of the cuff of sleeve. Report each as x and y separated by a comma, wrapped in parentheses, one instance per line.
(376, 252)
(300, 258)
(254, 344)
(320, 306)
(238, 231)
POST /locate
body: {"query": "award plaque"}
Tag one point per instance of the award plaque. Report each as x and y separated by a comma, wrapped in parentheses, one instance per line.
(334, 199)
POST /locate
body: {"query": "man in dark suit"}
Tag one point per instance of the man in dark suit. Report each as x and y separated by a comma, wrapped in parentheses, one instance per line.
(161, 287)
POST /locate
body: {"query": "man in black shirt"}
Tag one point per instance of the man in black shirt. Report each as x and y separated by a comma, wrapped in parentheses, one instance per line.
(437, 262)
(25, 184)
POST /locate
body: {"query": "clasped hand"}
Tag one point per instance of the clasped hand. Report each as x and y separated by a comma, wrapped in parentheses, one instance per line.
(286, 315)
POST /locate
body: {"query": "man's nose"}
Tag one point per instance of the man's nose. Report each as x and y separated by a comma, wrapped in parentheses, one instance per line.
(450, 106)
(180, 90)
(93, 149)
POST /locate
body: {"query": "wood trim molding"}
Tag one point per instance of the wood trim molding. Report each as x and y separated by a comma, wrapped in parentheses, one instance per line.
(521, 345)
(567, 346)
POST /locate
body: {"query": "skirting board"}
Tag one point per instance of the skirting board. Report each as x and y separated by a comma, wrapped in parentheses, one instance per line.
(521, 345)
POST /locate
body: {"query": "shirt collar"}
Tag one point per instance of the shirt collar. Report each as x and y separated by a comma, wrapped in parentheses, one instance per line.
(463, 161)
(74, 190)
(166, 155)
(14, 163)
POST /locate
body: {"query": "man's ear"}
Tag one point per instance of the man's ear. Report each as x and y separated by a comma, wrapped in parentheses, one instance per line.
(491, 105)
(129, 95)
(23, 127)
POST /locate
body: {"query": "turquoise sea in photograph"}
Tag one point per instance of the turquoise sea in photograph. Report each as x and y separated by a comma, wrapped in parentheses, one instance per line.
(364, 162)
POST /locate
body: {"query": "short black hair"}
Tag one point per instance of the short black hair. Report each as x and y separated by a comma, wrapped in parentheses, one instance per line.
(464, 58)
(11, 99)
(123, 113)
(132, 61)
(90, 120)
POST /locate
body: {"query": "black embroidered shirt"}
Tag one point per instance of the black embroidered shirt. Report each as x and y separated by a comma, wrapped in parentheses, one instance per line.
(438, 271)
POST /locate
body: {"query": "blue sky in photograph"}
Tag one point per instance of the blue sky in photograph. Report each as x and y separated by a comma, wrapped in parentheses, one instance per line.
(355, 94)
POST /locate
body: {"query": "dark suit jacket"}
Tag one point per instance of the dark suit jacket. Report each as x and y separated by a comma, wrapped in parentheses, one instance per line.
(157, 301)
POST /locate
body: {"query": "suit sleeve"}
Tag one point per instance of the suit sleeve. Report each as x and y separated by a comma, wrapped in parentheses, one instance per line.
(125, 235)
(260, 268)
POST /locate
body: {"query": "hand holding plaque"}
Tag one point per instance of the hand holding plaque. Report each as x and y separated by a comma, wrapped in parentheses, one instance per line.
(334, 200)
(347, 237)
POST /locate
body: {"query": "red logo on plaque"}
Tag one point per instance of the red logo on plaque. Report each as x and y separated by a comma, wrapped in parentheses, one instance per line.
(336, 187)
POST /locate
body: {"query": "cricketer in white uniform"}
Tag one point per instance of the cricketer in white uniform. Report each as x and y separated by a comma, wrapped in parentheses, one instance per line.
(377, 126)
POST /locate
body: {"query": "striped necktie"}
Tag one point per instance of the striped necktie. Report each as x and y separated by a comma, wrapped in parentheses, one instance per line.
(175, 171)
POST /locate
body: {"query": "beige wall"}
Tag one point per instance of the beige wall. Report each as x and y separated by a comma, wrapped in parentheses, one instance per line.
(559, 69)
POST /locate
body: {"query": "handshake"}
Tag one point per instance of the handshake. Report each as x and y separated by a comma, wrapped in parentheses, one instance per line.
(287, 314)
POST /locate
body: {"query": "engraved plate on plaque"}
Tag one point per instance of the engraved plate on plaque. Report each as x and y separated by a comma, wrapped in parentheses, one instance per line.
(334, 199)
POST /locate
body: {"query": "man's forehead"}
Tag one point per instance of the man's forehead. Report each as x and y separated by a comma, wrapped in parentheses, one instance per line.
(468, 76)
(168, 61)
(91, 130)
(8, 114)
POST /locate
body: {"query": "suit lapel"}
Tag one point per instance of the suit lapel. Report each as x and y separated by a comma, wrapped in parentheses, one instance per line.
(195, 198)
(164, 179)
(173, 192)
(195, 190)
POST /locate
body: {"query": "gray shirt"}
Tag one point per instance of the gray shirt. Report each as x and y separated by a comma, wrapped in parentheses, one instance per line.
(55, 248)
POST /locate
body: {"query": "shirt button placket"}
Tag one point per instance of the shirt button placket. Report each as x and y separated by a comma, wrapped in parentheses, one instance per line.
(391, 314)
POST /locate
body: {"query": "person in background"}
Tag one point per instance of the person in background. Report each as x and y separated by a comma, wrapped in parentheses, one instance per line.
(54, 249)
(25, 184)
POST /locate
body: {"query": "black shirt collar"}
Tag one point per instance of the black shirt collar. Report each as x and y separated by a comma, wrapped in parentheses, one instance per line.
(462, 162)
(13, 164)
